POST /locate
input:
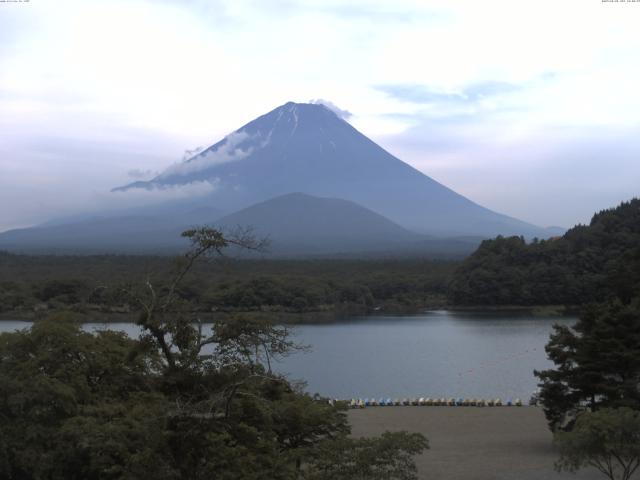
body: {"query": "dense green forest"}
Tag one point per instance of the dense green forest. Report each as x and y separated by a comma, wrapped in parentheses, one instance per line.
(589, 263)
(31, 286)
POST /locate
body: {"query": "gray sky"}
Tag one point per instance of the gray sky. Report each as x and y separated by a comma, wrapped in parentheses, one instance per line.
(531, 108)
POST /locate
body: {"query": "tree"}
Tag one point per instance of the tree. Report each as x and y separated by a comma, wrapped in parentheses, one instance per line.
(178, 403)
(608, 440)
(597, 363)
(73, 403)
(170, 329)
(389, 457)
(589, 263)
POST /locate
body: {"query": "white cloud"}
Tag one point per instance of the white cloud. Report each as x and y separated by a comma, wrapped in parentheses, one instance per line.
(343, 114)
(231, 150)
(155, 194)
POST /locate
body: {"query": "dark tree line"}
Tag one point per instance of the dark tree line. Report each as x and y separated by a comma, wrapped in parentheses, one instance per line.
(588, 264)
(92, 284)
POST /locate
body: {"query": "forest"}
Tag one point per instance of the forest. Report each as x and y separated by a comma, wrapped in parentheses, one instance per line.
(296, 290)
(590, 263)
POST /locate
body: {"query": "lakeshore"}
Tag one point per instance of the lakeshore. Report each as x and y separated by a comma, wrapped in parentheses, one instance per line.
(324, 316)
(468, 443)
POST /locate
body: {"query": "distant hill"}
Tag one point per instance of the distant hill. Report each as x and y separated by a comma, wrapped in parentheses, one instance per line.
(307, 148)
(588, 263)
(319, 224)
(298, 224)
(116, 234)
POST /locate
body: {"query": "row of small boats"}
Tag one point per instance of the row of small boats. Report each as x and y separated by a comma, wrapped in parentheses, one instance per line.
(436, 402)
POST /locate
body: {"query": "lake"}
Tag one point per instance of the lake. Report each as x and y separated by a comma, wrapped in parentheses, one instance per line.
(434, 354)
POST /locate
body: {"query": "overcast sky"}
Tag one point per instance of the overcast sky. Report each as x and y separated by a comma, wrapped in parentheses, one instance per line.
(528, 107)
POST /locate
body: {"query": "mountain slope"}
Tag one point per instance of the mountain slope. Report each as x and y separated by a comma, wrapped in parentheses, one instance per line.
(297, 225)
(134, 233)
(308, 148)
(299, 222)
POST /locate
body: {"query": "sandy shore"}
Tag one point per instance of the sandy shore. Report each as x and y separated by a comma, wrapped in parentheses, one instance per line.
(470, 443)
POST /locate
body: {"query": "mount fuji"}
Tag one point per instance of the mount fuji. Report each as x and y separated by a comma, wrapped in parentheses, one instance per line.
(300, 148)
(308, 148)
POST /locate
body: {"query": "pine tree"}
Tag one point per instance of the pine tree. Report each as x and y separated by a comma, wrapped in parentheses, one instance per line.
(597, 363)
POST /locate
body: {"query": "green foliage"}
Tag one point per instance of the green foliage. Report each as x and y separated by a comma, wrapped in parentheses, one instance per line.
(597, 363)
(55, 380)
(589, 263)
(608, 440)
(77, 405)
(65, 291)
(92, 285)
(179, 403)
(389, 457)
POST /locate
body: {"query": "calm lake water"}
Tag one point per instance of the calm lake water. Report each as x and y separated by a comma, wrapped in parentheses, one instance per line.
(435, 354)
